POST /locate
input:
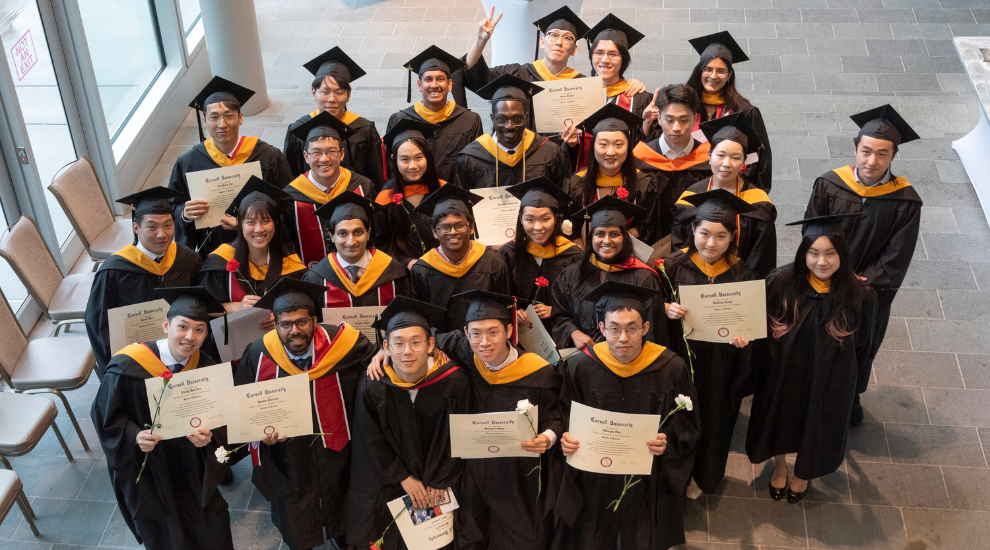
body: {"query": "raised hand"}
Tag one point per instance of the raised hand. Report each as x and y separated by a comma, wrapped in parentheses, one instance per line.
(487, 26)
(651, 113)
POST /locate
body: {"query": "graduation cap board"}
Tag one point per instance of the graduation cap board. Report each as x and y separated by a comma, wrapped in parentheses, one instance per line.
(347, 206)
(448, 200)
(407, 128)
(156, 200)
(614, 29)
(720, 45)
(323, 125)
(719, 206)
(562, 19)
(542, 193)
(290, 294)
(509, 87)
(191, 302)
(258, 190)
(218, 90)
(610, 118)
(404, 312)
(823, 226)
(491, 305)
(884, 123)
(609, 211)
(430, 59)
(615, 295)
(336, 64)
(734, 127)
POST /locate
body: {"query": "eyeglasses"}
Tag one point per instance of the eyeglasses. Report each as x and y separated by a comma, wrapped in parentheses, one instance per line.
(492, 335)
(318, 154)
(632, 332)
(707, 71)
(415, 346)
(337, 94)
(504, 120)
(557, 37)
(611, 56)
(229, 118)
(300, 324)
(458, 227)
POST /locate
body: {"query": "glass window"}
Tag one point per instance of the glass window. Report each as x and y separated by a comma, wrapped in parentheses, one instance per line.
(125, 46)
(189, 9)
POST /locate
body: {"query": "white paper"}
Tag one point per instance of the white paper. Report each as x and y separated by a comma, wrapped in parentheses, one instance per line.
(642, 250)
(426, 529)
(491, 435)
(360, 318)
(720, 313)
(611, 442)
(219, 187)
(536, 339)
(244, 328)
(496, 215)
(193, 399)
(136, 323)
(563, 103)
(281, 405)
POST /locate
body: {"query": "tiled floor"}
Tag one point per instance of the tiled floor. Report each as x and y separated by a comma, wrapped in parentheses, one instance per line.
(916, 474)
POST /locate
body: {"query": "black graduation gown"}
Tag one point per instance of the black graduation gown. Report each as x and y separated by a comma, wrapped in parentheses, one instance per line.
(806, 386)
(176, 505)
(721, 374)
(385, 281)
(121, 282)
(758, 236)
(305, 482)
(524, 272)
(761, 173)
(430, 284)
(226, 286)
(572, 312)
(506, 502)
(650, 516)
(679, 174)
(409, 244)
(650, 188)
(476, 165)
(364, 150)
(274, 170)
(882, 240)
(396, 438)
(456, 132)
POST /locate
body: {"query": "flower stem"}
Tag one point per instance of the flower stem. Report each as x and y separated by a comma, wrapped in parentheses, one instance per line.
(154, 422)
(625, 487)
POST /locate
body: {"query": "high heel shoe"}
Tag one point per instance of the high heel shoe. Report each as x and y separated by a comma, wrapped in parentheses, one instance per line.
(793, 497)
(776, 493)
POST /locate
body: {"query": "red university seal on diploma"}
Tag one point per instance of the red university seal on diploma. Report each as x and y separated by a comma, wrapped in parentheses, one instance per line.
(195, 422)
(493, 449)
(606, 462)
(723, 332)
(269, 430)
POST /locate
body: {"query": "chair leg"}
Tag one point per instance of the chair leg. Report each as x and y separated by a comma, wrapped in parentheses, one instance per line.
(68, 410)
(28, 513)
(6, 464)
(27, 503)
(61, 440)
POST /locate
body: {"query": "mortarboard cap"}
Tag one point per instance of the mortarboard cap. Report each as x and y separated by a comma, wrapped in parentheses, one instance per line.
(257, 189)
(614, 29)
(542, 193)
(720, 45)
(290, 294)
(612, 294)
(404, 312)
(561, 19)
(734, 127)
(430, 59)
(509, 87)
(610, 211)
(347, 206)
(449, 199)
(407, 128)
(884, 123)
(610, 118)
(191, 302)
(156, 200)
(719, 206)
(220, 89)
(823, 226)
(323, 125)
(337, 64)
(490, 305)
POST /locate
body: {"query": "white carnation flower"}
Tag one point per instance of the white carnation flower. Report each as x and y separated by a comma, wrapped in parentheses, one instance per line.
(222, 457)
(566, 227)
(684, 401)
(524, 406)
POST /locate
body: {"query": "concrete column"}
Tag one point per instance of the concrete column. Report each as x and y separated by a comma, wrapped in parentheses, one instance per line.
(234, 47)
(514, 40)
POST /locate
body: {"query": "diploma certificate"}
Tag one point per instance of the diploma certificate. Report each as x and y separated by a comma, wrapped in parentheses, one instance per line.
(496, 215)
(358, 317)
(490, 435)
(256, 410)
(192, 400)
(563, 103)
(719, 313)
(611, 442)
(136, 323)
(219, 186)
(427, 528)
(536, 339)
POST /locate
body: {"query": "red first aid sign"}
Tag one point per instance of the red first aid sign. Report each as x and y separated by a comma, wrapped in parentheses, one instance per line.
(23, 55)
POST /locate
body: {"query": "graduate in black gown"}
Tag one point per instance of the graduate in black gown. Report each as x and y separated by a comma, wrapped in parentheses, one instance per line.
(821, 320)
(402, 430)
(671, 150)
(220, 101)
(324, 140)
(627, 374)
(333, 72)
(355, 273)
(306, 479)
(882, 238)
(399, 230)
(732, 140)
(513, 153)
(460, 263)
(608, 256)
(456, 126)
(612, 169)
(715, 82)
(131, 275)
(721, 371)
(174, 504)
(539, 250)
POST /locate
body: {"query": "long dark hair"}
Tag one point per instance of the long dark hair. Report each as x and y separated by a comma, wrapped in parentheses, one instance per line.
(278, 248)
(846, 292)
(589, 184)
(735, 269)
(399, 223)
(623, 51)
(627, 251)
(730, 96)
(523, 240)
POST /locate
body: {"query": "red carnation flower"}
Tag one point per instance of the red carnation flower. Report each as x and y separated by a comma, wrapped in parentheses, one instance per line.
(397, 198)
(167, 375)
(658, 263)
(232, 266)
(621, 192)
(542, 281)
(373, 545)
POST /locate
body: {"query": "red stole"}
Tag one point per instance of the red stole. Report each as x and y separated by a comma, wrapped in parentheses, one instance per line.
(338, 297)
(311, 243)
(720, 111)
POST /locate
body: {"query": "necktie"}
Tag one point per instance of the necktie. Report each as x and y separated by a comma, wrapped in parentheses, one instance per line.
(176, 367)
(352, 270)
(158, 260)
(302, 363)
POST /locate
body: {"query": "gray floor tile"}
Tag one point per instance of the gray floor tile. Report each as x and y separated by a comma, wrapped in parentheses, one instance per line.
(922, 303)
(946, 529)
(975, 370)
(936, 445)
(738, 481)
(52, 477)
(897, 485)
(965, 304)
(872, 64)
(842, 526)
(915, 368)
(897, 336)
(886, 16)
(960, 336)
(927, 31)
(98, 485)
(696, 519)
(80, 522)
(756, 521)
(953, 407)
(238, 495)
(117, 534)
(938, 220)
(969, 488)
(254, 531)
(940, 274)
(829, 16)
(894, 404)
(867, 443)
(896, 47)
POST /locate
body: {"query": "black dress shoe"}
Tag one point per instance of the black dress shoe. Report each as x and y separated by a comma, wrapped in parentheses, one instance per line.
(776, 493)
(856, 418)
(793, 497)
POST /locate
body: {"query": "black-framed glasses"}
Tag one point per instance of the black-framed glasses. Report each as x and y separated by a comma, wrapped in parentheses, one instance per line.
(300, 324)
(458, 227)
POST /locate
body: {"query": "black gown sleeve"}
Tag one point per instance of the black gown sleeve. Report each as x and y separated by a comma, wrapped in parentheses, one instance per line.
(115, 429)
(764, 167)
(890, 267)
(762, 256)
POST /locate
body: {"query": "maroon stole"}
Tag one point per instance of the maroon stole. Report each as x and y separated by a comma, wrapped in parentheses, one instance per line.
(310, 232)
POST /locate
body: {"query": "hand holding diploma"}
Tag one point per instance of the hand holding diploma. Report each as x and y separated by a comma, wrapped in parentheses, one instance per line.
(570, 445)
(539, 444)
